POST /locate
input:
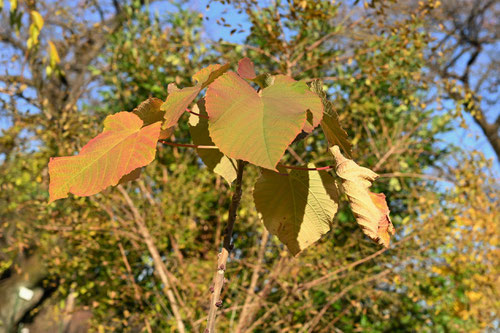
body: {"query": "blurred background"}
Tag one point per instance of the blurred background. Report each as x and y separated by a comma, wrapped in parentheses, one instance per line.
(416, 85)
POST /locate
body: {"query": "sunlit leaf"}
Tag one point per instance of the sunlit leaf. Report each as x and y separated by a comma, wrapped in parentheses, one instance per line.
(122, 147)
(256, 127)
(208, 74)
(370, 209)
(330, 124)
(213, 158)
(298, 206)
(179, 100)
(246, 69)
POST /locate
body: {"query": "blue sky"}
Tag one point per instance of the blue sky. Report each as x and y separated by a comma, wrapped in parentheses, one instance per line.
(470, 138)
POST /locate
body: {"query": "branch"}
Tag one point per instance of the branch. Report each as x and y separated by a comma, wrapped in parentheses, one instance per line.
(328, 167)
(175, 144)
(218, 281)
(161, 269)
(317, 318)
(331, 275)
(197, 114)
(253, 283)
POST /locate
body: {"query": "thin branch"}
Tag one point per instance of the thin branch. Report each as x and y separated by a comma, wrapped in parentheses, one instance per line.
(161, 269)
(175, 144)
(253, 283)
(218, 280)
(415, 175)
(328, 167)
(137, 292)
(317, 318)
(331, 275)
(197, 114)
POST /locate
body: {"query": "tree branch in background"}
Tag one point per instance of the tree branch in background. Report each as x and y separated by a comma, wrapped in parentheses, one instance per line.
(161, 269)
(218, 281)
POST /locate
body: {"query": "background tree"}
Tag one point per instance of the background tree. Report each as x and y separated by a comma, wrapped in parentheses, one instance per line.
(95, 267)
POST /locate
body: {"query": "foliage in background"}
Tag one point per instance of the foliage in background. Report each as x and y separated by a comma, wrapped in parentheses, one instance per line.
(440, 275)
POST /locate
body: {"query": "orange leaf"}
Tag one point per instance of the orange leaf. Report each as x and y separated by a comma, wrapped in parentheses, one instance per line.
(370, 209)
(122, 147)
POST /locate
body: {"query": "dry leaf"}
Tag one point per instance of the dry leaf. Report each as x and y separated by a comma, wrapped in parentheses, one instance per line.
(370, 209)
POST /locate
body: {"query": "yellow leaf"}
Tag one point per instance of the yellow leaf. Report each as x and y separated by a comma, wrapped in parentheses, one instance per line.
(37, 19)
(53, 54)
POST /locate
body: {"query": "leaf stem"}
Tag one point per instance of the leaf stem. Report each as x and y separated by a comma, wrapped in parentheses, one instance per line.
(175, 144)
(218, 280)
(329, 167)
(197, 114)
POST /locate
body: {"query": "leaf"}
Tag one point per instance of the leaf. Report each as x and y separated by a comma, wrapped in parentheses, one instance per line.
(246, 69)
(35, 28)
(370, 209)
(385, 227)
(149, 112)
(37, 19)
(122, 147)
(330, 124)
(179, 100)
(298, 207)
(133, 175)
(53, 54)
(256, 127)
(213, 158)
(177, 103)
(208, 74)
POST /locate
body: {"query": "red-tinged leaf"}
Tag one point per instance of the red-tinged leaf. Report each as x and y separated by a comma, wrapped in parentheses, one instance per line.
(298, 206)
(370, 209)
(122, 147)
(246, 69)
(179, 100)
(385, 227)
(256, 127)
(149, 112)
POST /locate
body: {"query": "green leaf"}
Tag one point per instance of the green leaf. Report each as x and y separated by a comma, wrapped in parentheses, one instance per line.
(330, 124)
(256, 127)
(213, 158)
(298, 206)
(179, 100)
(122, 147)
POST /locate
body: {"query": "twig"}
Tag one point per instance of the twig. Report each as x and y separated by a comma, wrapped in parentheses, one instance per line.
(317, 318)
(161, 269)
(329, 276)
(253, 282)
(197, 114)
(175, 144)
(415, 175)
(329, 167)
(218, 280)
(137, 292)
